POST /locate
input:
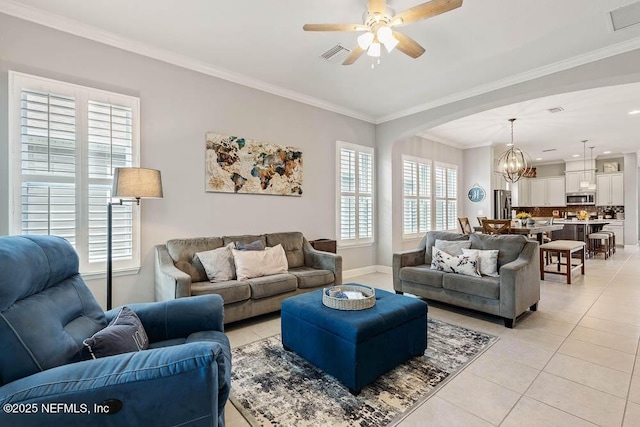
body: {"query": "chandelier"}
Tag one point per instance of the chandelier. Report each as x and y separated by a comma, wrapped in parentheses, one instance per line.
(514, 163)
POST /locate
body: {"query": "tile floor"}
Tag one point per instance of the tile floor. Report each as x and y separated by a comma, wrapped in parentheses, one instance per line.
(574, 362)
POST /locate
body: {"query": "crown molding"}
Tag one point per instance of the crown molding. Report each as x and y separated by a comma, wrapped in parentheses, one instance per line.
(565, 64)
(57, 22)
(80, 29)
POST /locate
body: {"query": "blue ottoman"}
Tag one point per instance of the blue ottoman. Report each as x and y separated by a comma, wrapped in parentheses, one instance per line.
(356, 347)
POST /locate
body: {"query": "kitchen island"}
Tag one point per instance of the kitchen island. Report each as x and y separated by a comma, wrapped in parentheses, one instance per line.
(578, 230)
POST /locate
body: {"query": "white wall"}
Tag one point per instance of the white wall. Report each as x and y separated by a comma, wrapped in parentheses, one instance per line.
(631, 199)
(426, 149)
(478, 169)
(178, 107)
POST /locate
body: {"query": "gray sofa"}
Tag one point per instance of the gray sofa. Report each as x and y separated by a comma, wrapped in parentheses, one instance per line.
(178, 274)
(515, 290)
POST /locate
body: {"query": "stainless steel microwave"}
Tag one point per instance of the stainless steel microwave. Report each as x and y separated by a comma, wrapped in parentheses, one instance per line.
(581, 199)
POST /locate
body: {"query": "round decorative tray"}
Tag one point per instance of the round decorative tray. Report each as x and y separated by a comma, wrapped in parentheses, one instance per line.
(343, 303)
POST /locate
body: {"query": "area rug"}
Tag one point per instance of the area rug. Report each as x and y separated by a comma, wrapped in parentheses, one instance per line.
(271, 386)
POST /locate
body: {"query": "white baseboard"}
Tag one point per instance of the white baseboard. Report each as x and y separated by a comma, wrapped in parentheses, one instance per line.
(347, 274)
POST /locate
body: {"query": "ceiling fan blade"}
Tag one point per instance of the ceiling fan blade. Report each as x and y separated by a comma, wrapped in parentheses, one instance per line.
(376, 6)
(353, 56)
(425, 10)
(335, 27)
(407, 45)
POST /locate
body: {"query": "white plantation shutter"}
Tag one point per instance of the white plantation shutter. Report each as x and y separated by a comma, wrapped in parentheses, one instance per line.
(356, 190)
(47, 154)
(446, 182)
(110, 139)
(365, 192)
(416, 184)
(65, 141)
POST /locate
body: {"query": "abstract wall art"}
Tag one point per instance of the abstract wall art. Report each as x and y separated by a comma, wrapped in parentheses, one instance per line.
(240, 165)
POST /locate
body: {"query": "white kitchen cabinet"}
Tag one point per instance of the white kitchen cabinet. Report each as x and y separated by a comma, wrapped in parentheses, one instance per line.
(520, 195)
(555, 191)
(537, 195)
(610, 189)
(573, 179)
(617, 226)
(547, 191)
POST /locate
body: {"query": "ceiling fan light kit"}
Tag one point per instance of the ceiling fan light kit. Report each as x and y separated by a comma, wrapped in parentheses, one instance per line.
(379, 21)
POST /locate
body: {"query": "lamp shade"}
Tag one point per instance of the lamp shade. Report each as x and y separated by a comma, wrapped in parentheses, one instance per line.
(136, 183)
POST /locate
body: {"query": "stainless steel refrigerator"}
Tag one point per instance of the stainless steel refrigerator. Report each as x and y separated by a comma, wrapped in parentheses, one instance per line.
(501, 204)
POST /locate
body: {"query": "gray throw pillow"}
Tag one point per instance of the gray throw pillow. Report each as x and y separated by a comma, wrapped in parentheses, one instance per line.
(452, 247)
(218, 263)
(124, 334)
(253, 246)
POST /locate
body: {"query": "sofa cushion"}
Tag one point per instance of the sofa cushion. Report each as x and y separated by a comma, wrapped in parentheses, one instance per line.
(461, 264)
(260, 263)
(183, 251)
(231, 291)
(430, 238)
(422, 274)
(487, 287)
(218, 264)
(256, 245)
(487, 260)
(509, 246)
(245, 239)
(124, 334)
(452, 247)
(311, 277)
(266, 286)
(292, 244)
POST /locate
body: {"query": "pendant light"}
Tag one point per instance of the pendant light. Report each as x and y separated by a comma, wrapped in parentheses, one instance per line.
(584, 182)
(592, 185)
(514, 163)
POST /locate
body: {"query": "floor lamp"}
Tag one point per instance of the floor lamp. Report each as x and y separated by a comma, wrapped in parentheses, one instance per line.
(130, 185)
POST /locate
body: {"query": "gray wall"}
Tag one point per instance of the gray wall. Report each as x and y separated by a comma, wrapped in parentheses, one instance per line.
(178, 107)
(600, 163)
(555, 169)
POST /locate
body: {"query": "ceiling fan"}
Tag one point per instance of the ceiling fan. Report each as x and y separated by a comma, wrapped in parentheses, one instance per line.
(377, 28)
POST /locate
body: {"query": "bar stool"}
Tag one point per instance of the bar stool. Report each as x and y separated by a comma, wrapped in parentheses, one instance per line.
(612, 241)
(599, 244)
(562, 247)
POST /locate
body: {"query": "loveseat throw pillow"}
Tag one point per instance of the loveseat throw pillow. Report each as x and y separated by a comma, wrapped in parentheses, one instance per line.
(218, 263)
(461, 264)
(487, 259)
(251, 264)
(123, 334)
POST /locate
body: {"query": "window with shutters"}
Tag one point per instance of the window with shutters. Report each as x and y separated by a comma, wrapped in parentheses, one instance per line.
(65, 141)
(355, 184)
(446, 196)
(416, 196)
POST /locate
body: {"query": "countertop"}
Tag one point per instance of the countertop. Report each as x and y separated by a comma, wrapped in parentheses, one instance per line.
(587, 222)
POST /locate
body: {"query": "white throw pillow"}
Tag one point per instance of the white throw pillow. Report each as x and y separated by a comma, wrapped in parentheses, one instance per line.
(260, 263)
(488, 260)
(218, 264)
(452, 247)
(461, 264)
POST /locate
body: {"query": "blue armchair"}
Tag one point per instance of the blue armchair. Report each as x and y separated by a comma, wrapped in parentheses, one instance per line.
(46, 311)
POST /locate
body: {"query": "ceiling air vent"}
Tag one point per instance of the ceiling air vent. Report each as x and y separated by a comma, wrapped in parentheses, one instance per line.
(336, 54)
(549, 150)
(625, 16)
(555, 109)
